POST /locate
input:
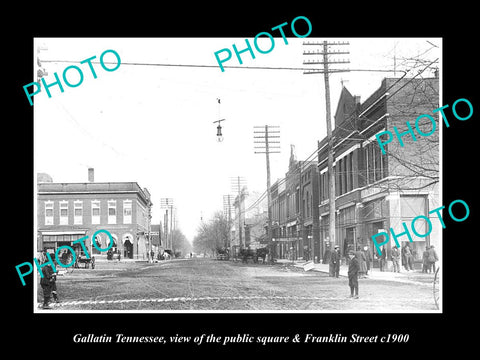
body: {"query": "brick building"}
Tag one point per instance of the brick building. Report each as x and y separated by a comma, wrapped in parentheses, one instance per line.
(295, 211)
(377, 191)
(69, 211)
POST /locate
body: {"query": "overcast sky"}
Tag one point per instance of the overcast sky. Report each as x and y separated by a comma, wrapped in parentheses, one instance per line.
(154, 124)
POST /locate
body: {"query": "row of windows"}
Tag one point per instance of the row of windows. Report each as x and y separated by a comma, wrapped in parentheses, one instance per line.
(285, 208)
(79, 213)
(375, 170)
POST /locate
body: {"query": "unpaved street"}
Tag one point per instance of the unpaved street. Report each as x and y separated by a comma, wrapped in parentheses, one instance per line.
(208, 284)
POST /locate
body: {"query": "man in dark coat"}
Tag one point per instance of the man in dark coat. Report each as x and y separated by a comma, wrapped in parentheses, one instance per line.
(353, 269)
(49, 286)
(408, 257)
(335, 261)
(432, 258)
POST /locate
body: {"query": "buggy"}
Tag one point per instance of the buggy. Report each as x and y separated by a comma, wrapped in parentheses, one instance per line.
(82, 259)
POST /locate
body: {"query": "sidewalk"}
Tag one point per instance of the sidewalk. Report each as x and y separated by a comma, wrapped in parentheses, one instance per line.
(410, 277)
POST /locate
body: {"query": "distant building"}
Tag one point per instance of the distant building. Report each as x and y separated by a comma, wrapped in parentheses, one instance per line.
(294, 209)
(69, 211)
(156, 237)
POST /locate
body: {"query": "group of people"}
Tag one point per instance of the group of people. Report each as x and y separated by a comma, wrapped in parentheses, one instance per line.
(363, 257)
(429, 258)
(160, 256)
(359, 262)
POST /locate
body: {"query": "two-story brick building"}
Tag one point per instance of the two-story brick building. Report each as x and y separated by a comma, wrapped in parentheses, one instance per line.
(69, 211)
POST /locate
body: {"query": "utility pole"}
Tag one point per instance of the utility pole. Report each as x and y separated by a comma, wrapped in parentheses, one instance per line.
(167, 203)
(227, 211)
(239, 184)
(173, 226)
(263, 144)
(326, 73)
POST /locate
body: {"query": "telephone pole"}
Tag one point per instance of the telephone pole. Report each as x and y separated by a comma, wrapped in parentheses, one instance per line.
(267, 141)
(167, 203)
(239, 184)
(227, 211)
(326, 73)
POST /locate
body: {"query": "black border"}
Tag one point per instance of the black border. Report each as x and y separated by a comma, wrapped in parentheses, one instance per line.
(431, 332)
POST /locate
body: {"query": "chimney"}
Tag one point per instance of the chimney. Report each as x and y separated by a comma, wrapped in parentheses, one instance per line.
(90, 174)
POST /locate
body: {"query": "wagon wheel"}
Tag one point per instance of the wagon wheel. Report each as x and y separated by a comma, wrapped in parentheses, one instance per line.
(436, 288)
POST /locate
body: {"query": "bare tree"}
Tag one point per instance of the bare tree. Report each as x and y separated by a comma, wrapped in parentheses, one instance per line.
(212, 235)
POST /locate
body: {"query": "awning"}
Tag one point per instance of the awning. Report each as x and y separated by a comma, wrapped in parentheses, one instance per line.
(72, 232)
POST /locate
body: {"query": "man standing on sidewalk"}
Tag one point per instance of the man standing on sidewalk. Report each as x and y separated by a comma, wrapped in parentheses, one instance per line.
(335, 261)
(408, 258)
(432, 258)
(395, 259)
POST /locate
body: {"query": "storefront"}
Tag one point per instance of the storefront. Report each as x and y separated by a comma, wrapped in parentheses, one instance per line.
(52, 240)
(374, 216)
(412, 206)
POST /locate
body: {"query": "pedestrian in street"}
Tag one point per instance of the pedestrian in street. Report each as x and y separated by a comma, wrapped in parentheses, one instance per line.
(335, 261)
(353, 269)
(306, 253)
(395, 259)
(362, 262)
(432, 258)
(408, 258)
(49, 287)
(152, 253)
(425, 263)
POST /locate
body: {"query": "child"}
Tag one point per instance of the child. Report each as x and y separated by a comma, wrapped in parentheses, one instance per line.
(353, 269)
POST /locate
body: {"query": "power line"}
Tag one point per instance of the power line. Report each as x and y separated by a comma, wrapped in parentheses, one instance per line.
(317, 71)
